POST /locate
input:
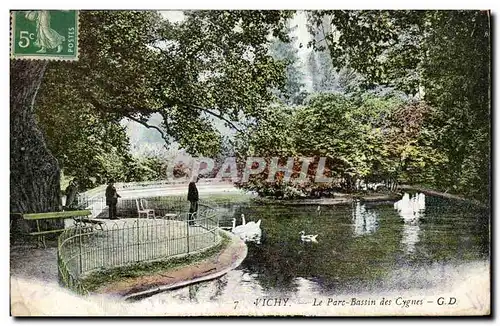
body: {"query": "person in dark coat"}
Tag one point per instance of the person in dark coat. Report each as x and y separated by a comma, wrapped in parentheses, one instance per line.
(193, 198)
(71, 192)
(112, 199)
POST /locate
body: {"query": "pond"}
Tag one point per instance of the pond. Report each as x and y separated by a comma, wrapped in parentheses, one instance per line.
(417, 243)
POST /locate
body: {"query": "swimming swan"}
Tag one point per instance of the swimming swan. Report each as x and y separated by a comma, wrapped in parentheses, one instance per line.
(238, 230)
(308, 238)
(247, 232)
(251, 224)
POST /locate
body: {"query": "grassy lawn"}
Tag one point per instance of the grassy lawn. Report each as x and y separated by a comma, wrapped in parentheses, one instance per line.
(98, 278)
(233, 198)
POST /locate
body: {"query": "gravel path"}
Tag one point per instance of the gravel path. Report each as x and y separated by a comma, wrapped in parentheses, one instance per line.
(34, 263)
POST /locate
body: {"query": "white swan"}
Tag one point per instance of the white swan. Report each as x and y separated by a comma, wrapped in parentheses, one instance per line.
(251, 224)
(252, 229)
(254, 236)
(238, 230)
(247, 232)
(308, 238)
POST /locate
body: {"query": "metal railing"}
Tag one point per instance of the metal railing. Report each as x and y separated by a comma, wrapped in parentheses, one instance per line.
(128, 207)
(163, 183)
(95, 201)
(82, 250)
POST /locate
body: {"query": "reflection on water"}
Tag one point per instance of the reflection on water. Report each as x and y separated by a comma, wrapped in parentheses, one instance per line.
(361, 247)
(410, 237)
(437, 278)
(365, 221)
(411, 208)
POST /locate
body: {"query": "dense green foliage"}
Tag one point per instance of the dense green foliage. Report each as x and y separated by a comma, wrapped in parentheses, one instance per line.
(242, 68)
(294, 90)
(213, 64)
(324, 76)
(369, 138)
(444, 57)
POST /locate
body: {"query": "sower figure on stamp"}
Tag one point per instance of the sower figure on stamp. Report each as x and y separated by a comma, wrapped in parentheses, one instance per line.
(46, 37)
(112, 199)
(193, 198)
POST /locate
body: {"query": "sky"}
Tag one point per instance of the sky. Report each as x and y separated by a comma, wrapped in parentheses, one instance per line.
(172, 15)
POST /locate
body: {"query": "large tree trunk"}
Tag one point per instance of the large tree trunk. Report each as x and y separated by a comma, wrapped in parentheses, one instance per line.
(34, 171)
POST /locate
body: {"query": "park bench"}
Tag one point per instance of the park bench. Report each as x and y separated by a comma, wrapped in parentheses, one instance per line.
(142, 209)
(86, 221)
(81, 218)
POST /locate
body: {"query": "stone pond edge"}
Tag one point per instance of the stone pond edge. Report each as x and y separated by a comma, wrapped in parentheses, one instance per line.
(374, 197)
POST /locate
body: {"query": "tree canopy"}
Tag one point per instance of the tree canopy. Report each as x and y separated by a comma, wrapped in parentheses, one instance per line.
(443, 57)
(213, 64)
(294, 92)
(234, 66)
(370, 138)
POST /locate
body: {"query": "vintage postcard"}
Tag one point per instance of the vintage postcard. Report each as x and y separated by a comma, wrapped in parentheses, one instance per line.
(250, 163)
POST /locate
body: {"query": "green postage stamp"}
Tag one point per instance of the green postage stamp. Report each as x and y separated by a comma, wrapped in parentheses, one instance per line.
(44, 34)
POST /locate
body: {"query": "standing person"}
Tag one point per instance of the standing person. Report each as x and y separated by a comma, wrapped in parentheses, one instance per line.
(71, 192)
(112, 199)
(193, 198)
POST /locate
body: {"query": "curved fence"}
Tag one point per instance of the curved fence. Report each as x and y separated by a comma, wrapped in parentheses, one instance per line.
(83, 249)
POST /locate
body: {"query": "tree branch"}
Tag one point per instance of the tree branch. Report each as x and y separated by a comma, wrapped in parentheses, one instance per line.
(94, 102)
(169, 102)
(219, 116)
(145, 124)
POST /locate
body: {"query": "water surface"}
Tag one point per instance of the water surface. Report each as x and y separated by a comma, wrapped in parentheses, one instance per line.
(416, 244)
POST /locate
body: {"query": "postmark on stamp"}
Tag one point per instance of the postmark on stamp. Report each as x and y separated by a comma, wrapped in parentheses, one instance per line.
(44, 34)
